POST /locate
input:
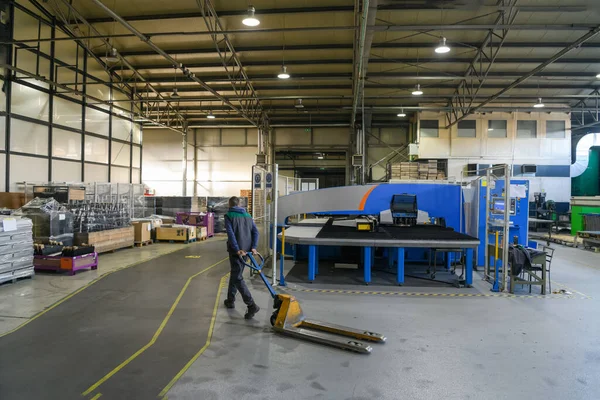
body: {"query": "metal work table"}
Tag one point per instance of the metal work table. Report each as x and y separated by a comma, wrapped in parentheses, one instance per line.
(307, 235)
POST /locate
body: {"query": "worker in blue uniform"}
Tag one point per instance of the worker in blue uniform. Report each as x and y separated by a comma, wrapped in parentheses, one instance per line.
(242, 237)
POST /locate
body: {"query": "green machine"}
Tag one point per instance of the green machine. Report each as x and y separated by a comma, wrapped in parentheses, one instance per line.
(579, 207)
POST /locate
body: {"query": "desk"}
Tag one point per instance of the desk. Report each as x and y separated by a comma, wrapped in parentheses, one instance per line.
(307, 235)
(516, 280)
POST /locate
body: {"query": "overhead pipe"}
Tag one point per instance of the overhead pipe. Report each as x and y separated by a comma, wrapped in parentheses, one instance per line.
(582, 153)
(173, 61)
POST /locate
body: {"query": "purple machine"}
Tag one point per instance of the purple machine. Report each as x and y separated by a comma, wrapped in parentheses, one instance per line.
(198, 219)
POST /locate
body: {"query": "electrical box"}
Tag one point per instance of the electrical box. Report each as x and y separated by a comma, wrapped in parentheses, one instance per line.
(357, 160)
(413, 149)
(261, 159)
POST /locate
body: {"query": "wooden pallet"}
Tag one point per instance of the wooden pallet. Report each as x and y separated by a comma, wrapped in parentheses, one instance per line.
(141, 244)
(203, 238)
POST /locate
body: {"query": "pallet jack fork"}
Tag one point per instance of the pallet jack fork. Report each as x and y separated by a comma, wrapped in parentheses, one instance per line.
(288, 319)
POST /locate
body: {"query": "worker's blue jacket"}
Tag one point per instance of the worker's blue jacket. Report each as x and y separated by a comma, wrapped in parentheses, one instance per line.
(241, 230)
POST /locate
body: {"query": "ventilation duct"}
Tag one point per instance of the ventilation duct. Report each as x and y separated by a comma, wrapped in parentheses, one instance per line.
(582, 153)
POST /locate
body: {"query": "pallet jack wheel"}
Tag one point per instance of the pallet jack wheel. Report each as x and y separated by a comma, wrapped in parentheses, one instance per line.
(274, 317)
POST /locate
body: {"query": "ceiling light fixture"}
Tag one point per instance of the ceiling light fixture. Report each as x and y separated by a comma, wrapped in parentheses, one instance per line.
(210, 115)
(539, 104)
(113, 56)
(299, 104)
(442, 47)
(402, 113)
(598, 76)
(175, 95)
(250, 19)
(283, 74)
(320, 157)
(417, 91)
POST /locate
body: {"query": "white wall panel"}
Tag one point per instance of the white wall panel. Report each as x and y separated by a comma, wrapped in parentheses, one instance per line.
(137, 133)
(96, 121)
(27, 60)
(252, 137)
(394, 135)
(233, 137)
(466, 147)
(27, 169)
(120, 154)
(137, 176)
(528, 148)
(331, 136)
(67, 113)
(291, 136)
(28, 138)
(119, 175)
(96, 149)
(121, 129)
(136, 156)
(96, 173)
(3, 175)
(66, 171)
(206, 137)
(2, 133)
(164, 145)
(29, 102)
(66, 144)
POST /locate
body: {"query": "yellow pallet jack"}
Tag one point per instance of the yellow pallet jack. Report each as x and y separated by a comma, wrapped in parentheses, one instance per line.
(288, 319)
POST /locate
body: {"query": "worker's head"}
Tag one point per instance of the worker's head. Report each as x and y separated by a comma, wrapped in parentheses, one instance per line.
(234, 201)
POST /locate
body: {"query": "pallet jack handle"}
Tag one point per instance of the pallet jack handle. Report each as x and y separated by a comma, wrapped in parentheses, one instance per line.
(250, 261)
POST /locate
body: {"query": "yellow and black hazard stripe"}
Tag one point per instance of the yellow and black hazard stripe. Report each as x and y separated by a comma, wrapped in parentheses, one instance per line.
(425, 294)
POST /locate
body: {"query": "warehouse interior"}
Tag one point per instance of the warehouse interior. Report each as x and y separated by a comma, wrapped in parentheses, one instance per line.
(392, 155)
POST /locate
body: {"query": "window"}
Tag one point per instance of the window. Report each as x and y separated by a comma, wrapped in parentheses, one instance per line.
(556, 130)
(430, 128)
(526, 129)
(467, 128)
(496, 129)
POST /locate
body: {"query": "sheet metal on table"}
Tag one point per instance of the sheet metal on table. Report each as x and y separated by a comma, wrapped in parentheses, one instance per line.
(308, 236)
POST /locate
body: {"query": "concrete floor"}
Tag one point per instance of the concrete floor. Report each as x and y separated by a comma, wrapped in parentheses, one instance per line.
(27, 297)
(438, 346)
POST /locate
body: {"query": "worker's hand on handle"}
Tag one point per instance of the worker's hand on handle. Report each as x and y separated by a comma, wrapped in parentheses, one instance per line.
(254, 252)
(241, 253)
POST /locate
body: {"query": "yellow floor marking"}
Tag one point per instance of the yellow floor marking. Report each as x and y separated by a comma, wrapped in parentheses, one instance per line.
(199, 353)
(96, 397)
(81, 289)
(571, 289)
(193, 256)
(156, 334)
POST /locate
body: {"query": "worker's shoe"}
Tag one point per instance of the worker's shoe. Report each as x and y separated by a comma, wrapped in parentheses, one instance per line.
(229, 303)
(252, 310)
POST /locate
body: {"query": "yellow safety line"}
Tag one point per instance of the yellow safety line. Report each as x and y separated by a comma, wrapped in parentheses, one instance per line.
(81, 289)
(156, 334)
(96, 397)
(571, 289)
(206, 344)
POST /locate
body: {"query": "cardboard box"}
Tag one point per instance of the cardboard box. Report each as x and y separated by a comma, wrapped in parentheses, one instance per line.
(109, 240)
(142, 232)
(176, 233)
(201, 232)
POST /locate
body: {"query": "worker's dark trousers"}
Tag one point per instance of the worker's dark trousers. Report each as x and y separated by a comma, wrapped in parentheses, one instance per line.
(236, 281)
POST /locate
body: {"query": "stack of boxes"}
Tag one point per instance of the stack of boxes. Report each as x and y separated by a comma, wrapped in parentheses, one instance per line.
(426, 170)
(16, 248)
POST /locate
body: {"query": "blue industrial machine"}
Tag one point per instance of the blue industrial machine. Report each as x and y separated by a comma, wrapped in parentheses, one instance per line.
(518, 215)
